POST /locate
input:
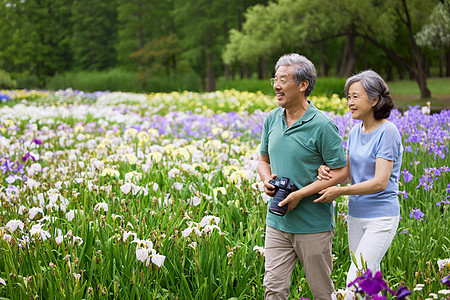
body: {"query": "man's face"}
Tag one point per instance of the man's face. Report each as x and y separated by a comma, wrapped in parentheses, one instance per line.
(286, 89)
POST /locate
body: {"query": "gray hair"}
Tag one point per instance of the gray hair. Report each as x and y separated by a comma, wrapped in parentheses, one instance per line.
(376, 88)
(304, 70)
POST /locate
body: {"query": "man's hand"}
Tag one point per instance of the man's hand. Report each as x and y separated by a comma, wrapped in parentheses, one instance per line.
(292, 200)
(329, 194)
(269, 189)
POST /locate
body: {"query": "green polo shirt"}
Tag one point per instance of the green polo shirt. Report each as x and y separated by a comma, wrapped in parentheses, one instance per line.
(297, 152)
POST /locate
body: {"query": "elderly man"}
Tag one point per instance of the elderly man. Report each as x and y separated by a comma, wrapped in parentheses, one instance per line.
(296, 139)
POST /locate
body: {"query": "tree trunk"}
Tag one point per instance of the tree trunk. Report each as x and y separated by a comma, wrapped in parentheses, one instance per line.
(448, 64)
(211, 75)
(260, 69)
(210, 67)
(248, 70)
(389, 73)
(420, 71)
(227, 72)
(323, 62)
(349, 57)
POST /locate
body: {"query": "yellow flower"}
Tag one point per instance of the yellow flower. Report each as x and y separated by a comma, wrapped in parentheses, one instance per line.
(227, 170)
(226, 134)
(78, 129)
(155, 156)
(180, 152)
(110, 172)
(153, 132)
(168, 148)
(238, 176)
(216, 130)
(219, 189)
(131, 158)
(131, 131)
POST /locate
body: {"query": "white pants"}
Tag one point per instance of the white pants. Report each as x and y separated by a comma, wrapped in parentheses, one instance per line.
(369, 237)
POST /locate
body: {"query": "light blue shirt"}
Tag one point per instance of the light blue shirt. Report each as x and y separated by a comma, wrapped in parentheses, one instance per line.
(363, 150)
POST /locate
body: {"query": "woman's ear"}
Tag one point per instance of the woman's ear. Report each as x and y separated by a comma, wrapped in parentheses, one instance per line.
(375, 101)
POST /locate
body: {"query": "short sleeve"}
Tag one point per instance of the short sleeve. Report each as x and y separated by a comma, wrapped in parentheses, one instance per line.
(264, 149)
(390, 145)
(331, 146)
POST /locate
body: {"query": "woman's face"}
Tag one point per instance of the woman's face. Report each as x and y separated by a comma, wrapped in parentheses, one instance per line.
(358, 102)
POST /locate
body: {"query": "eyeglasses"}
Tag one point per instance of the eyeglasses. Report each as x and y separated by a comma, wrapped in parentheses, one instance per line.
(281, 81)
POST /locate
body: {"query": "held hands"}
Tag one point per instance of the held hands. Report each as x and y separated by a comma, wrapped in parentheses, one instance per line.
(291, 201)
(329, 194)
(324, 173)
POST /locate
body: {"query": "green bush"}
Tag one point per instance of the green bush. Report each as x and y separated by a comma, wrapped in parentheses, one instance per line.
(6, 82)
(91, 81)
(27, 81)
(249, 85)
(176, 83)
(125, 81)
(327, 86)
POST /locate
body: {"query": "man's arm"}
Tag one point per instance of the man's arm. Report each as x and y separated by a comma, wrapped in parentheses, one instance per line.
(265, 172)
(315, 187)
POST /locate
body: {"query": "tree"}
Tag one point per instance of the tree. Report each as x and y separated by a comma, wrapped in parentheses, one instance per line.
(436, 33)
(158, 58)
(141, 22)
(94, 34)
(35, 37)
(305, 23)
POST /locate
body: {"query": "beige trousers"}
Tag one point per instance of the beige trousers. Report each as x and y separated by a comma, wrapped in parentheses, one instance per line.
(283, 249)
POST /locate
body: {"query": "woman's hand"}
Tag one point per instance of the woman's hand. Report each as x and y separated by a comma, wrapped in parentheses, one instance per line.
(329, 194)
(292, 200)
(324, 173)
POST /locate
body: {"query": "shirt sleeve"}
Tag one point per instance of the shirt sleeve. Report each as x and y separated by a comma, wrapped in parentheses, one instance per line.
(264, 149)
(390, 145)
(331, 146)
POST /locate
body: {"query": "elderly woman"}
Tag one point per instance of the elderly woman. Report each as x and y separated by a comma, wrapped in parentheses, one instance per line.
(374, 154)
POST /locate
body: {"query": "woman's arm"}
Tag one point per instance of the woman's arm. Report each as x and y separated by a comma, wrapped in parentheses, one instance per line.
(378, 183)
(325, 173)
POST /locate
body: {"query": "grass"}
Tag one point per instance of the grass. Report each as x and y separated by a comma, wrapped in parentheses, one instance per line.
(406, 92)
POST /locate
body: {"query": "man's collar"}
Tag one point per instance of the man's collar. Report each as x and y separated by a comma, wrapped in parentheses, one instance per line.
(307, 116)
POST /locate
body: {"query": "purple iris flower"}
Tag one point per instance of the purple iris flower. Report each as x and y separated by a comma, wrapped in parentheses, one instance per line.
(416, 213)
(371, 285)
(408, 148)
(404, 194)
(446, 280)
(4, 98)
(377, 297)
(7, 165)
(12, 189)
(26, 156)
(36, 141)
(407, 175)
(448, 188)
(402, 292)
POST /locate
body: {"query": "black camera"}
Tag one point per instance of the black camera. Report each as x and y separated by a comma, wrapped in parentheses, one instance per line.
(283, 188)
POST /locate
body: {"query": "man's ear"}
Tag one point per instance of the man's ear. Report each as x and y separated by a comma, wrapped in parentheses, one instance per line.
(303, 85)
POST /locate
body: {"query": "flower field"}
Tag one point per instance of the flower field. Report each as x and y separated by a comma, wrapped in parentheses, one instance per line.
(156, 196)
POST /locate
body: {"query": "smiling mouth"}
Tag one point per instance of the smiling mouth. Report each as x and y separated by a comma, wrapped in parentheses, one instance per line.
(279, 95)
